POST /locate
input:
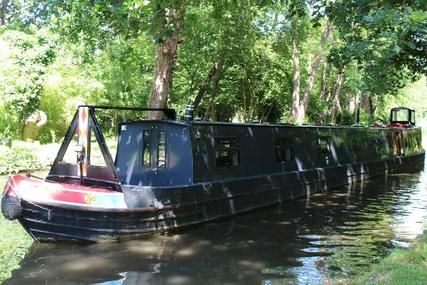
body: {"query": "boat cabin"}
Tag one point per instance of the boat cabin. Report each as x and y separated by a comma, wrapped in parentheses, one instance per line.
(170, 153)
(403, 116)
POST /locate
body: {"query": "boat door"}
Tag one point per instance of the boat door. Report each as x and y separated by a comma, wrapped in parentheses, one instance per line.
(397, 143)
(154, 154)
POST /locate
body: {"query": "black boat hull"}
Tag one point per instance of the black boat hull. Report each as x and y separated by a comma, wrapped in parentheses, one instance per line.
(198, 203)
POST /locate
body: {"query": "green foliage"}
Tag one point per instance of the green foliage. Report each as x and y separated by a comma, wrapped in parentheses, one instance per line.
(382, 34)
(253, 79)
(67, 84)
(58, 55)
(24, 59)
(19, 158)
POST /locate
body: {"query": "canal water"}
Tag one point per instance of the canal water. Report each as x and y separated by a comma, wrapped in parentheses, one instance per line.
(313, 240)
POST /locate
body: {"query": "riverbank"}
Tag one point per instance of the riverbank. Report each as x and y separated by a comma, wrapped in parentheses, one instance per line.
(14, 244)
(401, 266)
(14, 241)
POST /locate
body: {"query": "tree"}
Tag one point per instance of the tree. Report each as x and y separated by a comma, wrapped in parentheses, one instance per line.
(24, 59)
(3, 11)
(300, 103)
(166, 51)
(387, 39)
(307, 46)
(105, 21)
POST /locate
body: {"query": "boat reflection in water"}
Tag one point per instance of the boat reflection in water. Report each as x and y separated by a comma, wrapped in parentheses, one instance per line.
(305, 241)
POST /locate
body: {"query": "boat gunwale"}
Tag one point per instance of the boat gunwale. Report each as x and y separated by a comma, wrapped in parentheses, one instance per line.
(420, 153)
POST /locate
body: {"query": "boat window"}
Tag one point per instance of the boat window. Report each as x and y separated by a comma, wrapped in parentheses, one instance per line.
(324, 145)
(284, 150)
(161, 150)
(146, 151)
(227, 153)
(400, 115)
(413, 117)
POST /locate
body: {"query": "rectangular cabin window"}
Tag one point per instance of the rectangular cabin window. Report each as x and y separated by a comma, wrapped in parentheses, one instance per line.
(324, 145)
(227, 153)
(146, 150)
(400, 115)
(284, 149)
(161, 150)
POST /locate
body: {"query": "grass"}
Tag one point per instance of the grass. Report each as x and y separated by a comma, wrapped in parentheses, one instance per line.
(402, 266)
(14, 241)
(14, 244)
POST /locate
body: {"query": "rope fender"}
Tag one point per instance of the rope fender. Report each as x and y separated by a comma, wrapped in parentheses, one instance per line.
(11, 207)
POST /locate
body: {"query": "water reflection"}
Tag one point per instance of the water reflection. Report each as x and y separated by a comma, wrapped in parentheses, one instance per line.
(307, 241)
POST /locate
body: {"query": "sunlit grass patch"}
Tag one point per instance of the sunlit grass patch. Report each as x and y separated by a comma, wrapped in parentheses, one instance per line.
(402, 266)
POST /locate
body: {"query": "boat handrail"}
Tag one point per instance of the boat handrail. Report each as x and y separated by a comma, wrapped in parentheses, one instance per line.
(169, 113)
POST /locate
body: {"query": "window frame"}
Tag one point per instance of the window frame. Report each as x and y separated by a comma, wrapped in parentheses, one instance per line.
(290, 142)
(165, 143)
(233, 149)
(146, 146)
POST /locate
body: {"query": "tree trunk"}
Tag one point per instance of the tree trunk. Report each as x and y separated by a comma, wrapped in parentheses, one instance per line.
(3, 12)
(297, 80)
(326, 70)
(313, 73)
(368, 107)
(298, 113)
(336, 105)
(214, 71)
(323, 83)
(210, 108)
(356, 112)
(164, 64)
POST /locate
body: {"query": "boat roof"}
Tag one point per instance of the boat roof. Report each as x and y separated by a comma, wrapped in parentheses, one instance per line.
(248, 124)
(172, 120)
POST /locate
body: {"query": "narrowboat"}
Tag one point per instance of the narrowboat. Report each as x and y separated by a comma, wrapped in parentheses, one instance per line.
(168, 174)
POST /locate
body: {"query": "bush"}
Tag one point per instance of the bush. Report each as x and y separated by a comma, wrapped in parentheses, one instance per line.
(16, 160)
(26, 156)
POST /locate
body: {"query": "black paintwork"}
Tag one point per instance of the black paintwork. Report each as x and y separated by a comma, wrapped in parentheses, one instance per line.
(190, 205)
(408, 113)
(193, 188)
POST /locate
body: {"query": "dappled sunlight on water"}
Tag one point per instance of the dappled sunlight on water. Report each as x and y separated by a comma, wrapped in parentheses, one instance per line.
(307, 241)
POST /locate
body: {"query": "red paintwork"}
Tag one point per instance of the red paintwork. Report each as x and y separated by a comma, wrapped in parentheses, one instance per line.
(35, 189)
(377, 126)
(398, 126)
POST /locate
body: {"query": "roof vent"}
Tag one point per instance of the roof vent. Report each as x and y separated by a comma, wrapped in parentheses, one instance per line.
(189, 115)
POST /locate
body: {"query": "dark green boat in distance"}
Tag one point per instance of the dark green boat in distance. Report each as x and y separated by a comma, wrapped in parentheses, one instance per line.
(169, 174)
